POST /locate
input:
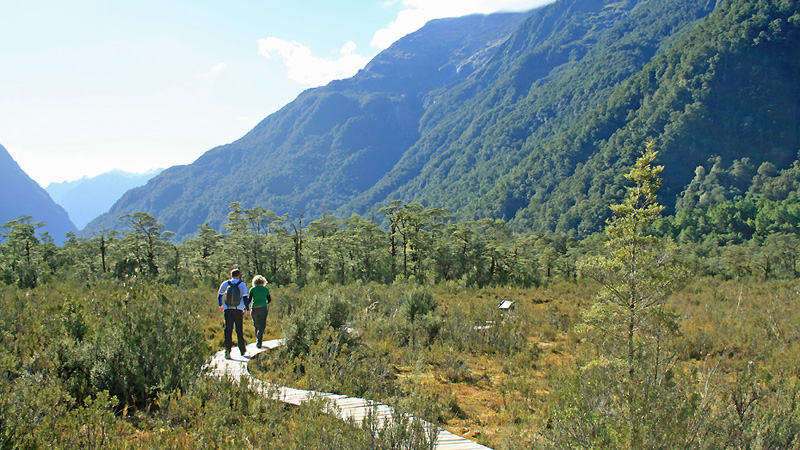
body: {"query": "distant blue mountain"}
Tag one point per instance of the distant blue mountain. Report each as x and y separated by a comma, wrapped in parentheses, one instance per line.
(21, 196)
(88, 198)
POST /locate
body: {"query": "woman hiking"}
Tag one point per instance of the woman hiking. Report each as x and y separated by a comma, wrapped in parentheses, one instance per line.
(259, 299)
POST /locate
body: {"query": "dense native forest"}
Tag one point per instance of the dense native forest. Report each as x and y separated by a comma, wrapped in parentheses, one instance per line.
(662, 331)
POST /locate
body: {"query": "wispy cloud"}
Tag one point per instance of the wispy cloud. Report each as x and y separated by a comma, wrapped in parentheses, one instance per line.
(305, 68)
(416, 13)
(214, 71)
(218, 68)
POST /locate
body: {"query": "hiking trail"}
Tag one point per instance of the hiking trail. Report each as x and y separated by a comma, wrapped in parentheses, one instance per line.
(345, 407)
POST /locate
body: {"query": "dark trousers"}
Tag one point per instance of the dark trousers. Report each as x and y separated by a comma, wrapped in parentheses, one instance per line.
(259, 321)
(234, 317)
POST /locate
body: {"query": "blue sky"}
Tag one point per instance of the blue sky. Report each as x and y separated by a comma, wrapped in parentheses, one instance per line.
(90, 86)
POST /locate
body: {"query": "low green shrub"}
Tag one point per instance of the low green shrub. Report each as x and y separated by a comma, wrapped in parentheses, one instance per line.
(311, 318)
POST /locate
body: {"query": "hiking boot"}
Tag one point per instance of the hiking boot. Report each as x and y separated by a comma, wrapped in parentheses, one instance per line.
(258, 344)
(228, 355)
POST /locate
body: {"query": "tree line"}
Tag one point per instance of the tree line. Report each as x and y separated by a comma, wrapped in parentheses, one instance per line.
(416, 241)
(402, 241)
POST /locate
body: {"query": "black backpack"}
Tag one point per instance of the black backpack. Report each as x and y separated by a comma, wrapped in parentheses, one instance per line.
(233, 295)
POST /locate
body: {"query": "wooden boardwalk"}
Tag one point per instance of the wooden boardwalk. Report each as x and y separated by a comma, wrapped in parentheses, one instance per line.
(343, 406)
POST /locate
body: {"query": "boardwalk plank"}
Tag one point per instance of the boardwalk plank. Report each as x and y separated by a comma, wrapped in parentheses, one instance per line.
(343, 406)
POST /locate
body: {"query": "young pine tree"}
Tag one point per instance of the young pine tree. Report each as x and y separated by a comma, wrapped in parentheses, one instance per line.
(628, 325)
(639, 271)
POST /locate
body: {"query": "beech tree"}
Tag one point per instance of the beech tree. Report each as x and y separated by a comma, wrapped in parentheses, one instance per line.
(201, 253)
(392, 213)
(239, 245)
(19, 256)
(320, 232)
(144, 244)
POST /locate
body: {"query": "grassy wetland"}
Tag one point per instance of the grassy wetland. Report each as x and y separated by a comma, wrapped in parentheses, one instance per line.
(637, 337)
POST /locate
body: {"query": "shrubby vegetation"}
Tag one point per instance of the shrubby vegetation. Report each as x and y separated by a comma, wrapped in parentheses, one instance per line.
(118, 364)
(104, 339)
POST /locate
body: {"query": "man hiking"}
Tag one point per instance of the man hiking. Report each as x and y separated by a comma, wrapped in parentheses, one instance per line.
(234, 304)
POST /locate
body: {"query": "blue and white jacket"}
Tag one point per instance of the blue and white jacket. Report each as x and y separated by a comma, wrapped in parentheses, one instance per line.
(245, 304)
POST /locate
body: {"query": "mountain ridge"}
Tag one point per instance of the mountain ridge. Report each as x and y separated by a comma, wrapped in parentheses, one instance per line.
(517, 123)
(89, 197)
(528, 118)
(687, 102)
(22, 197)
(280, 162)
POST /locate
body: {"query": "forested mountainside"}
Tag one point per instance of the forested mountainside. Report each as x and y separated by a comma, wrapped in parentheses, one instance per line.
(328, 145)
(21, 197)
(531, 118)
(727, 91)
(561, 64)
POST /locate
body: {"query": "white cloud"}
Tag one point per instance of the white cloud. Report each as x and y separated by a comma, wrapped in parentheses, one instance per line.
(416, 13)
(307, 69)
(304, 68)
(218, 68)
(348, 48)
(214, 71)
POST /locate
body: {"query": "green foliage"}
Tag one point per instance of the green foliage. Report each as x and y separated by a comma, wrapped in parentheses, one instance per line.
(123, 341)
(326, 309)
(419, 302)
(698, 100)
(209, 413)
(74, 356)
(142, 246)
(22, 263)
(539, 134)
(629, 328)
(638, 272)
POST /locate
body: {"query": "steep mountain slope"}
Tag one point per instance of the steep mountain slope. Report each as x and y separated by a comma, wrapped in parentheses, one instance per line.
(328, 145)
(530, 118)
(88, 198)
(563, 62)
(24, 197)
(729, 89)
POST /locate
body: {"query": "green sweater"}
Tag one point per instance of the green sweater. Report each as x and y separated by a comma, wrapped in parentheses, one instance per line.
(259, 296)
